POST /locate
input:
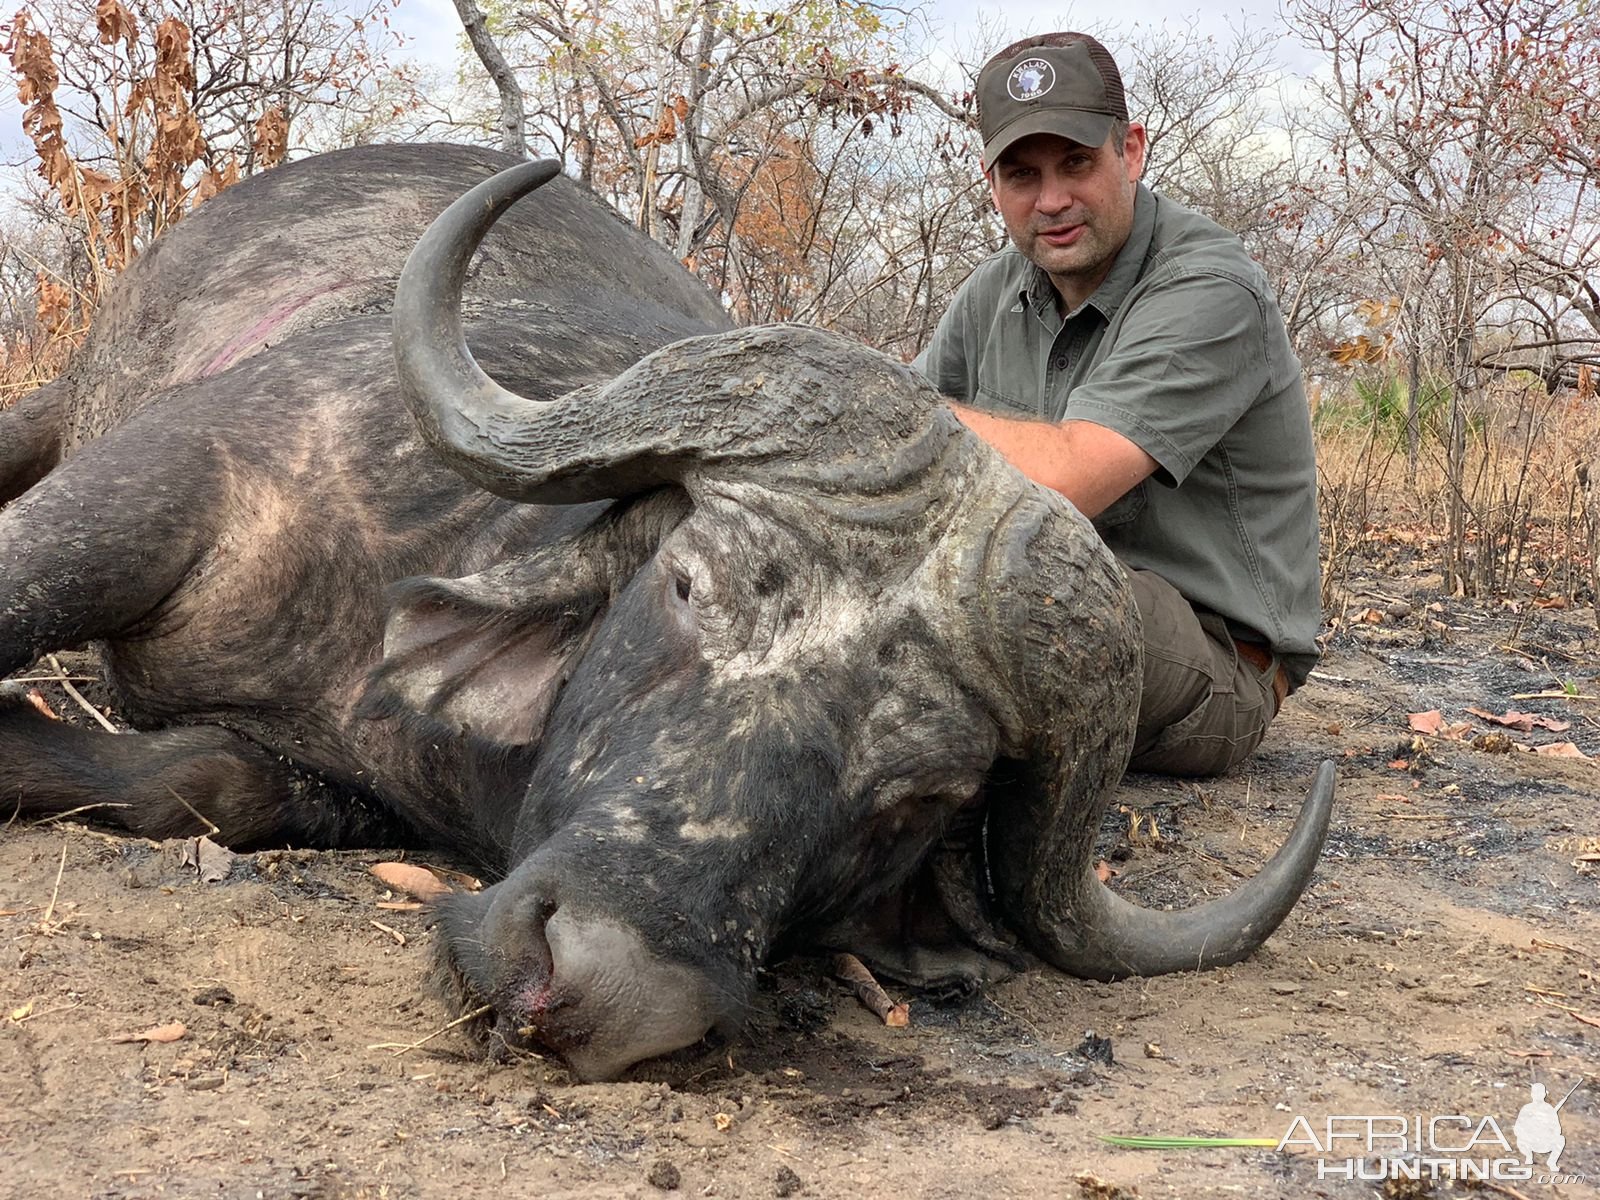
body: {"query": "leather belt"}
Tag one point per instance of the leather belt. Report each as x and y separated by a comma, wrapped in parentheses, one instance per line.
(1261, 658)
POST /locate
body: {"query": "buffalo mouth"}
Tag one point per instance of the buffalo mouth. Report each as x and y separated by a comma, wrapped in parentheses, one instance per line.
(580, 985)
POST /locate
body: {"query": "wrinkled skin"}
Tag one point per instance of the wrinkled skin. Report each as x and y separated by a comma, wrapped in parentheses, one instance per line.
(789, 636)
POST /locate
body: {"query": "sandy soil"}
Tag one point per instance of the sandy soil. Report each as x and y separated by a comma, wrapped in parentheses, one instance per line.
(1445, 959)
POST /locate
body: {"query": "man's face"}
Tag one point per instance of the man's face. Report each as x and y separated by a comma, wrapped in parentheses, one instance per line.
(1069, 207)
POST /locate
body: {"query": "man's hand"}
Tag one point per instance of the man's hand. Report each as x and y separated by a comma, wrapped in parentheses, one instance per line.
(1087, 463)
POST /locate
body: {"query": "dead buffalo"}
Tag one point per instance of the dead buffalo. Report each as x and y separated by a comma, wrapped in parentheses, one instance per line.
(707, 643)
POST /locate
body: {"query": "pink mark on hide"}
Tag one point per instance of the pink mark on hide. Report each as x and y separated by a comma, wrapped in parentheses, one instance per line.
(240, 346)
(536, 999)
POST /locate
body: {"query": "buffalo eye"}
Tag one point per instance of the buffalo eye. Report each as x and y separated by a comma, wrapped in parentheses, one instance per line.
(681, 582)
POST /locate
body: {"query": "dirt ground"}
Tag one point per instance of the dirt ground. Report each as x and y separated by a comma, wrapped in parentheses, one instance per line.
(1445, 959)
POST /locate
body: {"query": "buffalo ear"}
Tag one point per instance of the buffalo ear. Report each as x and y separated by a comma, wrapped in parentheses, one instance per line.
(485, 655)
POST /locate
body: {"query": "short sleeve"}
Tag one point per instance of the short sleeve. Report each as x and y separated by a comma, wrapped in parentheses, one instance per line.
(945, 361)
(1188, 360)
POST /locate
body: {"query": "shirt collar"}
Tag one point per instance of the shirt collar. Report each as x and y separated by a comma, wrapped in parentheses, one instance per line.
(1039, 294)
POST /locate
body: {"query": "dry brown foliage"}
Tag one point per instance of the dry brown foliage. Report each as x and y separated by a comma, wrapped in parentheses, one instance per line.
(1532, 496)
(161, 167)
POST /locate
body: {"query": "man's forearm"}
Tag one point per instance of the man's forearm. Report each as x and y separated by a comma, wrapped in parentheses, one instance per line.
(1090, 465)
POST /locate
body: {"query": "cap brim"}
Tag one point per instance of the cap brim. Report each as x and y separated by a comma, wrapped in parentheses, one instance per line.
(1081, 126)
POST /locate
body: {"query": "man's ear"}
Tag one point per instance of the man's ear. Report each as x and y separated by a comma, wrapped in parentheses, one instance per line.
(1133, 148)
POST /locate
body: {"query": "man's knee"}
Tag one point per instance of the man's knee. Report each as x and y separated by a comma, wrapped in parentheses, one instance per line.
(1204, 706)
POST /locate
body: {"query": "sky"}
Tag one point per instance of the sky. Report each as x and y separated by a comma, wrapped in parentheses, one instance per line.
(432, 29)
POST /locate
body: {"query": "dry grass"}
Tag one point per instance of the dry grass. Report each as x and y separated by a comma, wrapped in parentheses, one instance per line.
(26, 362)
(1532, 491)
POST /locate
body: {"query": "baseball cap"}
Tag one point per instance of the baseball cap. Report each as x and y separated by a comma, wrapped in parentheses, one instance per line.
(1073, 91)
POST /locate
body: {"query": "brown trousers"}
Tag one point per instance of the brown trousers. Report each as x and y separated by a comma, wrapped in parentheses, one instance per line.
(1205, 706)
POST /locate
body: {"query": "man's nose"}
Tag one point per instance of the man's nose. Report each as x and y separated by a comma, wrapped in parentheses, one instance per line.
(1055, 194)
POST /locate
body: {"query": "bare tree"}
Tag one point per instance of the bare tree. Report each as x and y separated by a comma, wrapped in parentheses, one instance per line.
(1438, 120)
(513, 118)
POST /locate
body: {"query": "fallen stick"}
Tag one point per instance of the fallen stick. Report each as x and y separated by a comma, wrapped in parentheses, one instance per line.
(61, 678)
(851, 970)
(399, 1048)
(50, 909)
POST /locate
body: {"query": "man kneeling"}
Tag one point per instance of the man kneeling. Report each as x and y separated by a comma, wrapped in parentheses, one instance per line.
(1129, 353)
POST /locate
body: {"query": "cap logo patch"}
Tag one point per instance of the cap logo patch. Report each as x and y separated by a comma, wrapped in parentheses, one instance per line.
(1030, 79)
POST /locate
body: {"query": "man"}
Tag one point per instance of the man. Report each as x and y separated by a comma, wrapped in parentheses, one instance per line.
(1128, 353)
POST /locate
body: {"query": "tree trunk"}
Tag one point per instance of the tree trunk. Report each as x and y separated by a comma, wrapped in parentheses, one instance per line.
(513, 119)
(1413, 396)
(1456, 464)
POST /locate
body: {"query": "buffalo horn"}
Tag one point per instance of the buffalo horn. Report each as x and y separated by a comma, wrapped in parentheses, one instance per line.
(1079, 707)
(772, 396)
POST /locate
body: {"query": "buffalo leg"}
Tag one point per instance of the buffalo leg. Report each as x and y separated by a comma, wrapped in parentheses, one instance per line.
(101, 542)
(177, 783)
(30, 440)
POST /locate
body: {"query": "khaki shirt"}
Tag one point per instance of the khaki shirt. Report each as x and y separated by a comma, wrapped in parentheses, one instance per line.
(1181, 350)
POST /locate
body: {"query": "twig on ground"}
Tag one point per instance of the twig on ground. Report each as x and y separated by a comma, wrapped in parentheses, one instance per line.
(1226, 866)
(45, 1012)
(1540, 943)
(82, 808)
(43, 924)
(400, 1048)
(1399, 816)
(1510, 649)
(853, 971)
(194, 812)
(55, 892)
(1555, 696)
(66, 683)
(1502, 1189)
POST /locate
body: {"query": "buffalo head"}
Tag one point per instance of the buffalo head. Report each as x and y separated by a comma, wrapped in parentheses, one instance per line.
(743, 702)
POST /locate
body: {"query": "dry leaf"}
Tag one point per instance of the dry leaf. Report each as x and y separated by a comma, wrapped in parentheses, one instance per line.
(414, 881)
(213, 862)
(1105, 872)
(1560, 750)
(1426, 722)
(161, 1033)
(1552, 602)
(459, 879)
(20, 1015)
(1523, 722)
(40, 703)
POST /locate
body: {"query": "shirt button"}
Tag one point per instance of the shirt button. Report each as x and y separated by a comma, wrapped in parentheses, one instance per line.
(1061, 363)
